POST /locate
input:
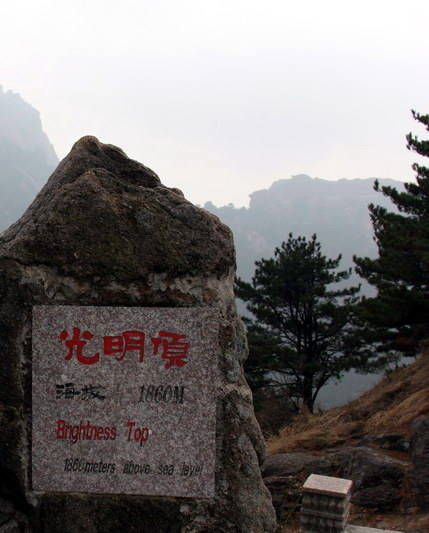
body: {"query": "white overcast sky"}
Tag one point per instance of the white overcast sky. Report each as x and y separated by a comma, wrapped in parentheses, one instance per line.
(221, 98)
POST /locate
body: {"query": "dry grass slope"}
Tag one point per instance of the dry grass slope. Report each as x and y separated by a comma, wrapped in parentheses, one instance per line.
(386, 409)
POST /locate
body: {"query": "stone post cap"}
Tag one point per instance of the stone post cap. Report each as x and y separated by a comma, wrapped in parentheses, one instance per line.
(333, 486)
(361, 529)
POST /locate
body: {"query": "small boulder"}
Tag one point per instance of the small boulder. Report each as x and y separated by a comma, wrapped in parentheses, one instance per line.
(377, 477)
(396, 442)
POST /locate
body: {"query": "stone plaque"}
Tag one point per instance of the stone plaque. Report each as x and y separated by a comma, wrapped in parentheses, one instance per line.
(124, 400)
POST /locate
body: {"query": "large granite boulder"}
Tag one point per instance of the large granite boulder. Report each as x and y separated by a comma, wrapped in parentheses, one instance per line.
(104, 231)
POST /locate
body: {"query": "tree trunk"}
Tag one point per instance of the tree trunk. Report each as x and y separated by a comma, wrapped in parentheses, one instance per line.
(307, 392)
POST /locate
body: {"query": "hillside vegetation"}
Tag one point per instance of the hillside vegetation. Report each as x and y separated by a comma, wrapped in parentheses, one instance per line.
(386, 409)
(380, 441)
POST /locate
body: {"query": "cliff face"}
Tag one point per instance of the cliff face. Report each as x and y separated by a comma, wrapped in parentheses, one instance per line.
(27, 157)
(337, 211)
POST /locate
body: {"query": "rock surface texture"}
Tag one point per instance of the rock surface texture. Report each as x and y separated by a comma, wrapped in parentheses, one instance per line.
(379, 480)
(105, 231)
(419, 452)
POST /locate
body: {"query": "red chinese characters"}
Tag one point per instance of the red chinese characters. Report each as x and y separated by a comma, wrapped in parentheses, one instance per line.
(127, 342)
(172, 347)
(174, 351)
(75, 346)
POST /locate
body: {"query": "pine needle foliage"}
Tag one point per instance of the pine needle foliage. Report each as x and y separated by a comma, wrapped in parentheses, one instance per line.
(396, 320)
(302, 329)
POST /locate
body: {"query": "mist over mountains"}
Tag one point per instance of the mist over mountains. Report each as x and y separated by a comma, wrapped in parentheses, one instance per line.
(337, 211)
(27, 158)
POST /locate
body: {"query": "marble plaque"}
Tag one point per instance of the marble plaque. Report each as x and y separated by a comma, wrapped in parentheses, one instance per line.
(124, 400)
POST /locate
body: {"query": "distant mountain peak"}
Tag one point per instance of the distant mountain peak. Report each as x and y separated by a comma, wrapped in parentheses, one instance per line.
(337, 211)
(20, 123)
(301, 177)
(27, 157)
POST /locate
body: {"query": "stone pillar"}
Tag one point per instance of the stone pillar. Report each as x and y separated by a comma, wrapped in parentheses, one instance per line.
(104, 231)
(325, 504)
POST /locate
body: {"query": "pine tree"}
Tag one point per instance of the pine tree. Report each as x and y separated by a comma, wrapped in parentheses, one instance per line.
(300, 335)
(396, 319)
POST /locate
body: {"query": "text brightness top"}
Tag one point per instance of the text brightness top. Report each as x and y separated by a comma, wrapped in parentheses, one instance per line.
(124, 400)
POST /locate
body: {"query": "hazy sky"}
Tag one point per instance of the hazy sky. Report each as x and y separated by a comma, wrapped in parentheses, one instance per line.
(221, 98)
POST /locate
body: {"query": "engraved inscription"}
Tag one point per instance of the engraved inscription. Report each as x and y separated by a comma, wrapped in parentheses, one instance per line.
(124, 400)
